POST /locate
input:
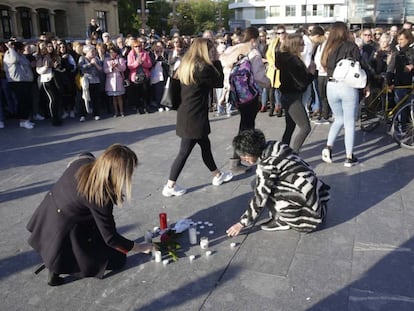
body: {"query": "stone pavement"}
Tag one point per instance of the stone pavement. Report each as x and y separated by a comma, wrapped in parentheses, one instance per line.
(361, 259)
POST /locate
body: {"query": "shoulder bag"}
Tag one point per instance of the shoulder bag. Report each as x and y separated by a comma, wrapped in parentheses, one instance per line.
(171, 97)
(349, 71)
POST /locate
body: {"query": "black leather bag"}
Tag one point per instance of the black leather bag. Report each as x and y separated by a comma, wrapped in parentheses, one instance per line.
(171, 97)
(140, 76)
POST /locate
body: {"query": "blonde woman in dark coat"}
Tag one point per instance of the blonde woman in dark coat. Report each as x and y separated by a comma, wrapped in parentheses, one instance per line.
(73, 229)
(199, 72)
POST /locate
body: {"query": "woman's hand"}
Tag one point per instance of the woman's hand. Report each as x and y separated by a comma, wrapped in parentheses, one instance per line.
(235, 229)
(143, 248)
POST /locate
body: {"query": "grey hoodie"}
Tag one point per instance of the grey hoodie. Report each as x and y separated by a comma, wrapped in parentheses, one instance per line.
(17, 67)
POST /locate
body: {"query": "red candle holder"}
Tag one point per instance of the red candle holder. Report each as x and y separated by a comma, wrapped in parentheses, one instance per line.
(163, 221)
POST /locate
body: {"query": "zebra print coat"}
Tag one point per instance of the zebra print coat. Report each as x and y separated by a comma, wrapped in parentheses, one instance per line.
(288, 186)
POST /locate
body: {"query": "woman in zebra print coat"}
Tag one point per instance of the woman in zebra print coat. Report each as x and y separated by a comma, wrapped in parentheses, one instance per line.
(285, 184)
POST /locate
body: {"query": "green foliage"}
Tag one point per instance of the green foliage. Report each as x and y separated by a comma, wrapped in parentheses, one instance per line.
(193, 16)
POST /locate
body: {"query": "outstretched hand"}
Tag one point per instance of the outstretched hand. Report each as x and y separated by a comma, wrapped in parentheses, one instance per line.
(234, 230)
(145, 248)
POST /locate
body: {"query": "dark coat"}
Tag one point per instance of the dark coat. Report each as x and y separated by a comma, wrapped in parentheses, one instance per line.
(72, 235)
(347, 49)
(294, 76)
(192, 115)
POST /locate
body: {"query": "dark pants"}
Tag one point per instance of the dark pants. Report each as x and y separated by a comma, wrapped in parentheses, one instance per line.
(295, 115)
(187, 145)
(248, 113)
(22, 91)
(53, 100)
(94, 94)
(326, 110)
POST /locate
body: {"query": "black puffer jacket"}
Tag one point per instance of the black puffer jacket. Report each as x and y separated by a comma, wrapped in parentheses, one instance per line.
(396, 72)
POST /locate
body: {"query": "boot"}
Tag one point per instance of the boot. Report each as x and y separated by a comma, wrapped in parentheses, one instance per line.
(237, 167)
(54, 279)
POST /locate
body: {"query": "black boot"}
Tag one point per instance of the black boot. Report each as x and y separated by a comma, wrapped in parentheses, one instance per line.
(54, 279)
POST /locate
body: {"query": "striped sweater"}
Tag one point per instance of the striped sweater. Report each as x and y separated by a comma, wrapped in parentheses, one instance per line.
(288, 185)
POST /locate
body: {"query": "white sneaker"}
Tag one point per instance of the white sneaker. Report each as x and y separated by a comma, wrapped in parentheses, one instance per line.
(167, 109)
(97, 118)
(82, 119)
(327, 155)
(1, 125)
(64, 115)
(72, 114)
(161, 109)
(223, 177)
(175, 191)
(38, 117)
(27, 124)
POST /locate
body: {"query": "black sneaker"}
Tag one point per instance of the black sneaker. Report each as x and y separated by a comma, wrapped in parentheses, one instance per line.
(274, 225)
(349, 162)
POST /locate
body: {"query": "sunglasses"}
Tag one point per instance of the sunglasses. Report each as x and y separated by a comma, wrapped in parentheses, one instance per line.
(281, 32)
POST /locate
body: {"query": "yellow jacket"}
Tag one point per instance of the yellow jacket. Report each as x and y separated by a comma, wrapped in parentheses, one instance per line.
(272, 72)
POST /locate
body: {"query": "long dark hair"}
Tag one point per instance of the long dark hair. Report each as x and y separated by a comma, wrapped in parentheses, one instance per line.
(338, 34)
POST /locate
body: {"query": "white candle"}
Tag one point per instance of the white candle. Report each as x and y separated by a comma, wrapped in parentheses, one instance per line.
(204, 242)
(157, 256)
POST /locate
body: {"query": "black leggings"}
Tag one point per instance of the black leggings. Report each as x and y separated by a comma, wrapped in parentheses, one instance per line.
(295, 115)
(248, 113)
(186, 146)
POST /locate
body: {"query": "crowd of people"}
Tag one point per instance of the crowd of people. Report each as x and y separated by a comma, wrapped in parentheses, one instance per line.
(293, 73)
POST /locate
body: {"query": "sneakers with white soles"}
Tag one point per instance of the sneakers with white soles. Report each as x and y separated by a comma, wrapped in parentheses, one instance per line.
(350, 162)
(223, 177)
(327, 155)
(274, 225)
(174, 191)
(27, 124)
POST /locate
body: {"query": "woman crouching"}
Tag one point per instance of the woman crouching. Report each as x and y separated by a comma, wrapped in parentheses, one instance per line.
(285, 184)
(74, 229)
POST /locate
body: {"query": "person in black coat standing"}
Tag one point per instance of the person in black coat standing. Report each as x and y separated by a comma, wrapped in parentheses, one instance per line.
(199, 72)
(73, 229)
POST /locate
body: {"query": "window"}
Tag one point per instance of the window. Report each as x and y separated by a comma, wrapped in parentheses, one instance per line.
(44, 21)
(5, 23)
(101, 20)
(328, 10)
(274, 11)
(260, 13)
(238, 14)
(290, 10)
(26, 22)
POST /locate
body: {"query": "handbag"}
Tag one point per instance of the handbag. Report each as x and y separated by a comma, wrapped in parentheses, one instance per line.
(140, 76)
(349, 71)
(171, 97)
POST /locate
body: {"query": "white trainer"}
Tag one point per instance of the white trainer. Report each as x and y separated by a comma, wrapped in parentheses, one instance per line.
(223, 177)
(27, 124)
(38, 117)
(174, 191)
(1, 125)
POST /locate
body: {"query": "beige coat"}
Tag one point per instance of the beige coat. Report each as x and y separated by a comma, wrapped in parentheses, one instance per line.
(230, 56)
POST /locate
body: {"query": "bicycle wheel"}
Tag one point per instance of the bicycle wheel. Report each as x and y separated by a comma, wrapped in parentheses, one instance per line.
(402, 128)
(370, 115)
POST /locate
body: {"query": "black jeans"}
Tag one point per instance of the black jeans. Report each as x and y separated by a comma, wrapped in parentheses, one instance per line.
(248, 113)
(22, 91)
(295, 114)
(187, 145)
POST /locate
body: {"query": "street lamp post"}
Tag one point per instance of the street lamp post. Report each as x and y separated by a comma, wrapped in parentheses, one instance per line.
(174, 18)
(143, 11)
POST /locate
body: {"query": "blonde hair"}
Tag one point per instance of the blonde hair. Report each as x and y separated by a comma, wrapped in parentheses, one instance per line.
(195, 58)
(103, 180)
(293, 44)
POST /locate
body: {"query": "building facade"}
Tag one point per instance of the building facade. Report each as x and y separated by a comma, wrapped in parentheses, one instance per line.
(66, 19)
(295, 13)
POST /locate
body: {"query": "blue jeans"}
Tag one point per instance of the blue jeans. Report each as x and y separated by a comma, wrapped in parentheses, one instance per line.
(343, 101)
